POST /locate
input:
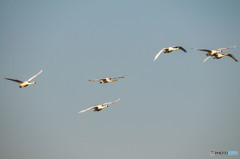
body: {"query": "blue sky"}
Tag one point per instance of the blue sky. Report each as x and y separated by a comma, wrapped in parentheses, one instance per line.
(176, 107)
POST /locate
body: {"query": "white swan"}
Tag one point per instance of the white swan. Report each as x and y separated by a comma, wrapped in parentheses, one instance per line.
(168, 50)
(25, 83)
(108, 79)
(218, 56)
(99, 107)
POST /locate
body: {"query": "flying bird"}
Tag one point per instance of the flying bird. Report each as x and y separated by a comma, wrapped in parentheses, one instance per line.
(108, 79)
(218, 56)
(168, 50)
(99, 107)
(211, 53)
(25, 83)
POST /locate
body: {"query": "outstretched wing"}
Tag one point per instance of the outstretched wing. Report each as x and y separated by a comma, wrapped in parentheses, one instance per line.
(15, 80)
(100, 79)
(231, 47)
(206, 59)
(86, 110)
(179, 47)
(233, 57)
(111, 102)
(182, 48)
(119, 77)
(158, 54)
(94, 80)
(34, 76)
(207, 50)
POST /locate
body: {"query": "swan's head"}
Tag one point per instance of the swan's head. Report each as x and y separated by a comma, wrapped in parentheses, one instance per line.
(221, 51)
(34, 82)
(104, 106)
(114, 79)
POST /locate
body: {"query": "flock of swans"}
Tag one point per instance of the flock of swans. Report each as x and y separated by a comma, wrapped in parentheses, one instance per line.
(216, 54)
(95, 108)
(210, 53)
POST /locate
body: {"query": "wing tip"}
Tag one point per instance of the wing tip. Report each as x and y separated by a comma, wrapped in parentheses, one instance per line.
(40, 71)
(156, 57)
(117, 100)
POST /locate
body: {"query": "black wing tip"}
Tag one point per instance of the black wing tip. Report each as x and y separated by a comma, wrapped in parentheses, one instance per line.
(182, 49)
(231, 55)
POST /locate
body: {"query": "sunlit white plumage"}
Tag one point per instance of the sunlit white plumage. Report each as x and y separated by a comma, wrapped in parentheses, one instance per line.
(218, 56)
(108, 79)
(168, 50)
(99, 107)
(206, 59)
(25, 83)
(211, 53)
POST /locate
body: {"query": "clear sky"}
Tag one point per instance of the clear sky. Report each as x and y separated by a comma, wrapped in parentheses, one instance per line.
(176, 107)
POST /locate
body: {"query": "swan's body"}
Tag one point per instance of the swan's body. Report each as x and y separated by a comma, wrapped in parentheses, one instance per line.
(218, 56)
(99, 107)
(25, 83)
(168, 50)
(108, 79)
(211, 53)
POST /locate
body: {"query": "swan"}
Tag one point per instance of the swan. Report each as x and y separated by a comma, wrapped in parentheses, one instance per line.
(168, 50)
(25, 83)
(218, 56)
(108, 79)
(99, 107)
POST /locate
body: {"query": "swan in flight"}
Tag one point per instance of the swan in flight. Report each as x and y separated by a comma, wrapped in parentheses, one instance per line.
(211, 53)
(168, 50)
(218, 56)
(108, 79)
(25, 83)
(99, 107)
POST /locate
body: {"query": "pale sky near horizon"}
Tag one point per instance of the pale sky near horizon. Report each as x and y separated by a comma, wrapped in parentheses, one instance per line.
(175, 107)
